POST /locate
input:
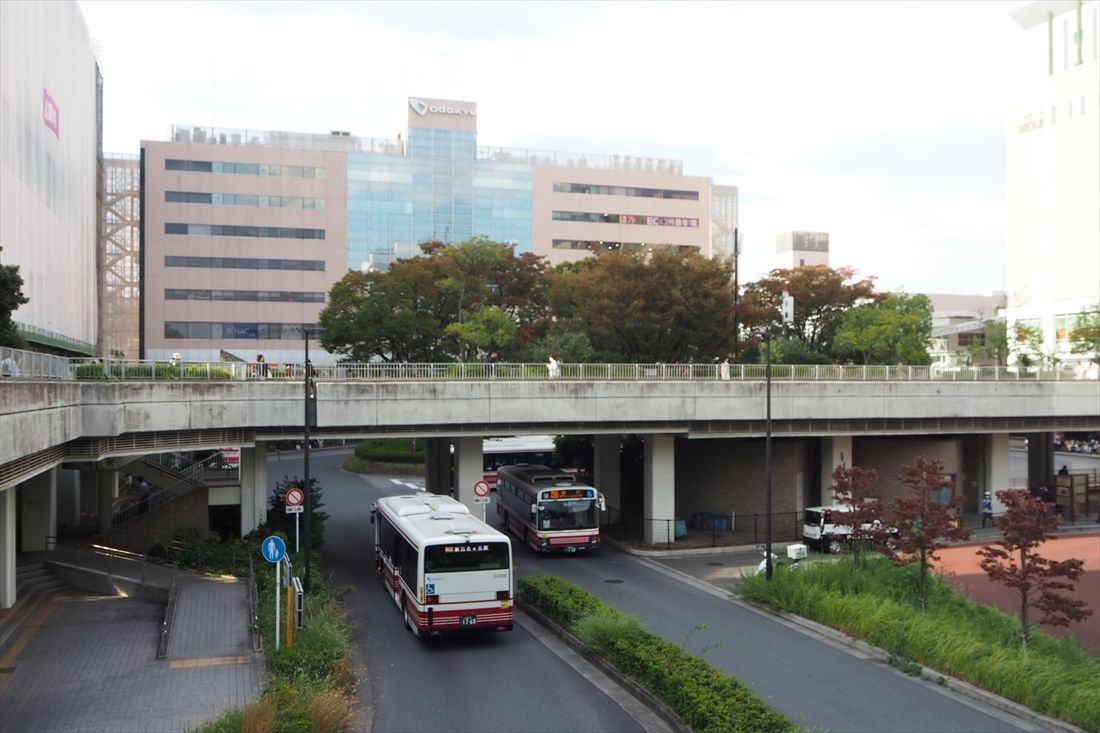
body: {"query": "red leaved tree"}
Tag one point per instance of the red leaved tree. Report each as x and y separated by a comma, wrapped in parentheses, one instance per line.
(1026, 523)
(924, 523)
(856, 488)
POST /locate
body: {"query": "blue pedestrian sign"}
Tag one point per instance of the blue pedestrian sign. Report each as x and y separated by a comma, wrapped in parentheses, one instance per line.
(273, 548)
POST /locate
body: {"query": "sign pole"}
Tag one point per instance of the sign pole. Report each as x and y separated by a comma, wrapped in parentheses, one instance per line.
(296, 548)
(278, 584)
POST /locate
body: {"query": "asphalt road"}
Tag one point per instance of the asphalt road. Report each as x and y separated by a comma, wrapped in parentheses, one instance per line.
(511, 682)
(507, 681)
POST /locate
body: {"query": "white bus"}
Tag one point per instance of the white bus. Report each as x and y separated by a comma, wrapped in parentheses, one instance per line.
(548, 509)
(446, 570)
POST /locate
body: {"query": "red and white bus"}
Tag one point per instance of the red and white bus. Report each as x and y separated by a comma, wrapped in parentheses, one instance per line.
(446, 569)
(509, 451)
(548, 509)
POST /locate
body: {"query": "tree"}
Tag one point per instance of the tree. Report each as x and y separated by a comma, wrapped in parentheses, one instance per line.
(1029, 344)
(1014, 562)
(992, 345)
(648, 306)
(894, 330)
(857, 489)
(488, 328)
(923, 522)
(11, 297)
(821, 295)
(1086, 333)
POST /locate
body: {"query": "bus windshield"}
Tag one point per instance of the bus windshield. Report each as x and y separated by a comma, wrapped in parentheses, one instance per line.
(569, 514)
(466, 556)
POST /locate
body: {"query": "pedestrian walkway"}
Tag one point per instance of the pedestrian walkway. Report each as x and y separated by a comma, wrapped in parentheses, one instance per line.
(89, 662)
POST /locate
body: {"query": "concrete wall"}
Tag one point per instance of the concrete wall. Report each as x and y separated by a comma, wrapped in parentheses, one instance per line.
(887, 455)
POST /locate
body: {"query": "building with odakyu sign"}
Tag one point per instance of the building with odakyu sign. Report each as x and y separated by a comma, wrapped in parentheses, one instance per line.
(245, 231)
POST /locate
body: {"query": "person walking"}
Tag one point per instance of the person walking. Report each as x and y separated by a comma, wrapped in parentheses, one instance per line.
(143, 495)
(553, 367)
(987, 509)
(493, 358)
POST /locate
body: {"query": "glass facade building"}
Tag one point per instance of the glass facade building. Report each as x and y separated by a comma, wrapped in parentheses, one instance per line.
(437, 191)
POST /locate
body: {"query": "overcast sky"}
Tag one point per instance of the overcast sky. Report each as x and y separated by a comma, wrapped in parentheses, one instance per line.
(881, 123)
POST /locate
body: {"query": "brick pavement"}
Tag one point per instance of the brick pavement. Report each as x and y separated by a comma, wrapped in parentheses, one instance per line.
(92, 664)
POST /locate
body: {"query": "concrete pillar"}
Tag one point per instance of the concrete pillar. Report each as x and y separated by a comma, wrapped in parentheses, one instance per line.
(89, 497)
(1040, 459)
(437, 473)
(996, 463)
(7, 547)
(835, 450)
(68, 498)
(659, 501)
(469, 469)
(38, 496)
(106, 489)
(253, 486)
(607, 468)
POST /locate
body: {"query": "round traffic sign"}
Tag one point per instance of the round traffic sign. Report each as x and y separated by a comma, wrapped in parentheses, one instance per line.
(295, 496)
(273, 548)
(481, 488)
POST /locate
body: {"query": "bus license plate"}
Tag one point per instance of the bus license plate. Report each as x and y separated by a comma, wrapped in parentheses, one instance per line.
(468, 620)
(570, 549)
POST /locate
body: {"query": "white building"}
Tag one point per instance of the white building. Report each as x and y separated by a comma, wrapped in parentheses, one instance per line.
(49, 139)
(801, 249)
(1054, 171)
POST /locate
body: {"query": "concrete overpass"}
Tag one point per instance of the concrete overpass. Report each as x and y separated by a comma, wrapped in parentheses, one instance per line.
(872, 416)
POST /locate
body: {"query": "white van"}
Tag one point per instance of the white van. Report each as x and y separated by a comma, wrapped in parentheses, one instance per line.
(822, 531)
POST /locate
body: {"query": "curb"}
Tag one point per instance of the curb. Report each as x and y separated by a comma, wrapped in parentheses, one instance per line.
(647, 698)
(956, 685)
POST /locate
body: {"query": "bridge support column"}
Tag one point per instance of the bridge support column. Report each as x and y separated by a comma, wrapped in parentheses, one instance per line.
(107, 488)
(68, 498)
(996, 466)
(437, 473)
(7, 548)
(608, 469)
(253, 486)
(88, 495)
(835, 449)
(1040, 459)
(659, 501)
(38, 496)
(469, 469)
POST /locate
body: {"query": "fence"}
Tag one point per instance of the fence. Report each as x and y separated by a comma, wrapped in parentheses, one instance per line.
(131, 370)
(722, 530)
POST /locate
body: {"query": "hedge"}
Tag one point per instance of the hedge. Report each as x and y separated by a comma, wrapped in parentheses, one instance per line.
(705, 698)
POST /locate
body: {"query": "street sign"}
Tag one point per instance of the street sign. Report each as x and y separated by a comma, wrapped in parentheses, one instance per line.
(294, 497)
(273, 548)
(295, 509)
(481, 500)
(481, 489)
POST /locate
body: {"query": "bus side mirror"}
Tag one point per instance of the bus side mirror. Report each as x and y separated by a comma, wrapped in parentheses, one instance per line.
(534, 509)
(373, 509)
(602, 503)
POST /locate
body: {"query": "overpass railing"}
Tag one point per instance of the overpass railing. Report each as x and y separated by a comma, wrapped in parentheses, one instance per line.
(130, 370)
(22, 364)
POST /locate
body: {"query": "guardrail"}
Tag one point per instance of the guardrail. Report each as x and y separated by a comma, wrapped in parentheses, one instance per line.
(131, 370)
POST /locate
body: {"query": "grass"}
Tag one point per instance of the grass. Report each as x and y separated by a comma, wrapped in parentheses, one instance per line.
(973, 642)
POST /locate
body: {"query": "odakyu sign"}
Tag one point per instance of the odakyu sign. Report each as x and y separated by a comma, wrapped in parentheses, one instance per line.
(439, 107)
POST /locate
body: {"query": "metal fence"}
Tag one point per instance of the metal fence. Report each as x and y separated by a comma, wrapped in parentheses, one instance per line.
(30, 365)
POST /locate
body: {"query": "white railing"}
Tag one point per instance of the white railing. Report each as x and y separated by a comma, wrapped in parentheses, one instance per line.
(131, 370)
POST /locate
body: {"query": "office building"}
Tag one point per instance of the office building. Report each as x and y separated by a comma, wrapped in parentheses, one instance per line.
(244, 232)
(1054, 173)
(50, 141)
(800, 249)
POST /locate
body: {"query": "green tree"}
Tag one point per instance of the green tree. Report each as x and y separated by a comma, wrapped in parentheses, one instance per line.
(656, 306)
(1029, 346)
(992, 345)
(822, 295)
(1086, 333)
(11, 297)
(894, 330)
(489, 329)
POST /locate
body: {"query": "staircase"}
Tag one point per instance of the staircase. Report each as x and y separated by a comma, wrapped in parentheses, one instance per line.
(35, 585)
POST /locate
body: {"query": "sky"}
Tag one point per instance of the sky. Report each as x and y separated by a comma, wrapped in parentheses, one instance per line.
(881, 123)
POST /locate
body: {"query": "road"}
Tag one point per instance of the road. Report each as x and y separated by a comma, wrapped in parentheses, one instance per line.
(506, 682)
(814, 682)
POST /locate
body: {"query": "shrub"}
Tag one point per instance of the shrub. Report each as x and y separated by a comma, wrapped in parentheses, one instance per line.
(705, 698)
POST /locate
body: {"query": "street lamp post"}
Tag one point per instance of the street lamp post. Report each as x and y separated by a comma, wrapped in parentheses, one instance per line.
(768, 456)
(310, 396)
